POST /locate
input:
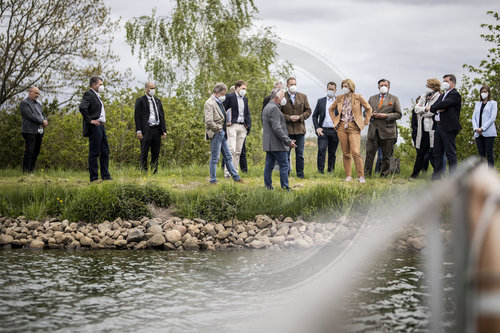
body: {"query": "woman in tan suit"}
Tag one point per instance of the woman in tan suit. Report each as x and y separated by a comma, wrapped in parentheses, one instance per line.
(349, 122)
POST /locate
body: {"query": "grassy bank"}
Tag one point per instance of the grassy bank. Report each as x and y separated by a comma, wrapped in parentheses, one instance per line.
(68, 194)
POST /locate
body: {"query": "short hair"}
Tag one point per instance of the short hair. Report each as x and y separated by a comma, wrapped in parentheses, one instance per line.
(384, 80)
(239, 83)
(278, 84)
(290, 79)
(487, 88)
(275, 92)
(95, 79)
(219, 87)
(149, 82)
(331, 83)
(350, 84)
(434, 84)
(451, 77)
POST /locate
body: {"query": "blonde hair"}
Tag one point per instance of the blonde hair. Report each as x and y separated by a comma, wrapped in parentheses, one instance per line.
(434, 84)
(350, 84)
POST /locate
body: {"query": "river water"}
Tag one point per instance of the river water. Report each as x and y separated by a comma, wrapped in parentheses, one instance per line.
(194, 291)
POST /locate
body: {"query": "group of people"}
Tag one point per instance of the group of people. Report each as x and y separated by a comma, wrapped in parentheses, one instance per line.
(336, 118)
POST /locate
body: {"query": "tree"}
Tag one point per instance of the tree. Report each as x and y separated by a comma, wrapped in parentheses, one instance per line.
(53, 44)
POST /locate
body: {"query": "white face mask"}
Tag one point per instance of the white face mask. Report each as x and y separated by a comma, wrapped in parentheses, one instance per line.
(428, 90)
(293, 89)
(384, 90)
(283, 101)
(345, 90)
(243, 92)
(152, 92)
(222, 98)
(330, 93)
(484, 95)
(446, 85)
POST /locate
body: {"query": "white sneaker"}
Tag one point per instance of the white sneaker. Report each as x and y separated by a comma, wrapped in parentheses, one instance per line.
(348, 179)
(362, 180)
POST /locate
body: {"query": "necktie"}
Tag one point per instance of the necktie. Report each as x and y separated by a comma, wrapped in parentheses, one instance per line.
(381, 101)
(154, 108)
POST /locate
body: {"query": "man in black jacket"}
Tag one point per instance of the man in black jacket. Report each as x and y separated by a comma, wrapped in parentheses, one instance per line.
(447, 125)
(327, 135)
(34, 121)
(150, 126)
(94, 117)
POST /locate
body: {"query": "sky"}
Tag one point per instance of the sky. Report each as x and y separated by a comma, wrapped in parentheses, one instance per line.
(404, 41)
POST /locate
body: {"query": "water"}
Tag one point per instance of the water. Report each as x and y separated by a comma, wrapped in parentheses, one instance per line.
(190, 291)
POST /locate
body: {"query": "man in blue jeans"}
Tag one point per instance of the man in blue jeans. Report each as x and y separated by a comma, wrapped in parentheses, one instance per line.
(275, 140)
(215, 130)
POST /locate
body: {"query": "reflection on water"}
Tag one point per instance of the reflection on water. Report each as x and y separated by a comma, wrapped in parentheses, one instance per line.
(189, 291)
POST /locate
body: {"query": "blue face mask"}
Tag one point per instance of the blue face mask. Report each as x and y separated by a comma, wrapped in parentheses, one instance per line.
(330, 93)
(222, 98)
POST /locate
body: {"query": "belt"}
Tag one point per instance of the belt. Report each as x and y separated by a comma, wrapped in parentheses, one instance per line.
(240, 123)
(154, 126)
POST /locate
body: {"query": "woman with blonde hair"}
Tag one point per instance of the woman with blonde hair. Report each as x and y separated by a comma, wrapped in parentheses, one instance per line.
(483, 123)
(348, 121)
(424, 140)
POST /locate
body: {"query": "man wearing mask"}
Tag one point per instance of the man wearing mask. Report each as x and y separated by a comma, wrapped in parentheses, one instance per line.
(150, 126)
(215, 130)
(382, 131)
(94, 117)
(239, 122)
(275, 140)
(296, 111)
(325, 130)
(34, 122)
(446, 125)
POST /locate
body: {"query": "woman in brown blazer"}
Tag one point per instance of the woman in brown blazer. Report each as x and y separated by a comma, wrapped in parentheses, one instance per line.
(349, 122)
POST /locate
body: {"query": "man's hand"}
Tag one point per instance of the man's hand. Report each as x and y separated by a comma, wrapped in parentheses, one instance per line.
(428, 108)
(45, 124)
(164, 136)
(292, 144)
(95, 122)
(479, 130)
(319, 131)
(139, 136)
(294, 118)
(379, 115)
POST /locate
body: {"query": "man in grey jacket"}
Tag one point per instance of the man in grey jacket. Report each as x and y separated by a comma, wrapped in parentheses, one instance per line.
(34, 121)
(275, 140)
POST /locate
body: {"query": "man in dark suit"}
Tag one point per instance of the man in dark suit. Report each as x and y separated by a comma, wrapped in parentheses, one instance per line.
(383, 131)
(94, 117)
(34, 121)
(239, 121)
(447, 125)
(325, 130)
(150, 126)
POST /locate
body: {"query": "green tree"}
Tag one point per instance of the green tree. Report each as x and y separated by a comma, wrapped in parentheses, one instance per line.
(53, 44)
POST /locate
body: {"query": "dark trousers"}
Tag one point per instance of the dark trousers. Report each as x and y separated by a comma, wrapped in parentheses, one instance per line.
(151, 140)
(33, 142)
(328, 141)
(299, 154)
(378, 163)
(485, 148)
(372, 146)
(422, 153)
(98, 149)
(444, 143)
(243, 158)
(271, 158)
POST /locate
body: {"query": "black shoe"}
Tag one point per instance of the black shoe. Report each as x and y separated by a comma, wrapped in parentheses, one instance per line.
(301, 177)
(107, 178)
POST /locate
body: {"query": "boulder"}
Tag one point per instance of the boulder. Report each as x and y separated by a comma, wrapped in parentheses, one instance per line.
(6, 239)
(37, 244)
(140, 246)
(156, 241)
(173, 236)
(288, 220)
(263, 221)
(191, 244)
(209, 229)
(103, 227)
(155, 229)
(86, 241)
(223, 234)
(135, 235)
(33, 225)
(182, 229)
(168, 246)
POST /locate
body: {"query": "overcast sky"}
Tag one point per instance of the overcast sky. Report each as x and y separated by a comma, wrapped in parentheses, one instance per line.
(405, 41)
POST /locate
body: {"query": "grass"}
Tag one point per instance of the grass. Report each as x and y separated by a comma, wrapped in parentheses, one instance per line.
(68, 194)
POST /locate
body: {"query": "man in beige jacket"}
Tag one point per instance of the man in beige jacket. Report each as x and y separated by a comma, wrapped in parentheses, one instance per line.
(215, 130)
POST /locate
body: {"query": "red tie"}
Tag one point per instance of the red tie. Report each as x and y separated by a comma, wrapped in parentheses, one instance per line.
(381, 101)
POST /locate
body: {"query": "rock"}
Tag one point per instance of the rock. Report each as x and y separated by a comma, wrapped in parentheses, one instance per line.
(193, 230)
(249, 239)
(182, 229)
(223, 234)
(37, 244)
(417, 243)
(258, 244)
(86, 241)
(168, 246)
(263, 233)
(301, 243)
(103, 227)
(155, 229)
(118, 220)
(173, 236)
(263, 221)
(191, 244)
(127, 225)
(239, 241)
(135, 235)
(209, 229)
(208, 245)
(243, 235)
(140, 246)
(135, 224)
(107, 241)
(73, 245)
(6, 239)
(240, 228)
(33, 225)
(219, 227)
(64, 223)
(288, 220)
(280, 240)
(156, 241)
